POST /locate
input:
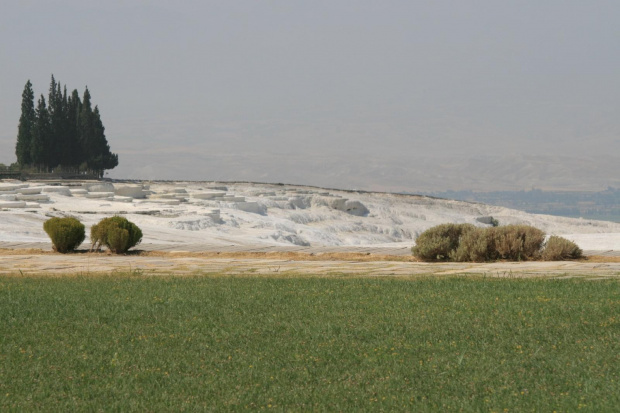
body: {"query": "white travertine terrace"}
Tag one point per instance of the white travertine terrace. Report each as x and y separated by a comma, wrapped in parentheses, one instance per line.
(29, 191)
(134, 191)
(261, 214)
(98, 187)
(12, 204)
(62, 190)
(98, 195)
(32, 197)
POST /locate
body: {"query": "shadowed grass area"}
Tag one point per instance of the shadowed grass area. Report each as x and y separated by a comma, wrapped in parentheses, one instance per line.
(232, 343)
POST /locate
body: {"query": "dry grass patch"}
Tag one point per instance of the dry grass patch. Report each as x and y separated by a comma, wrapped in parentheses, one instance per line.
(599, 258)
(291, 256)
(29, 251)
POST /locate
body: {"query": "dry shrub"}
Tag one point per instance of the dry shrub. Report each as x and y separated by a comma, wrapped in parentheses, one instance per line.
(466, 243)
(559, 249)
(476, 246)
(518, 242)
(439, 242)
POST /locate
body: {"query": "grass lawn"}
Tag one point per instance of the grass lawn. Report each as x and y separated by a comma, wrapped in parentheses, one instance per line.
(229, 343)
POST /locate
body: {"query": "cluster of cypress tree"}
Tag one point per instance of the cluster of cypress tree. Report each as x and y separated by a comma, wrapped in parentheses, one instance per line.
(65, 134)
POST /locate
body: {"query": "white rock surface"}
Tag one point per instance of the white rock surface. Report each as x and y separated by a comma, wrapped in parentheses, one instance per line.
(33, 197)
(98, 187)
(164, 195)
(11, 186)
(117, 198)
(29, 190)
(208, 195)
(62, 190)
(12, 204)
(306, 216)
(163, 201)
(253, 207)
(175, 191)
(99, 195)
(134, 191)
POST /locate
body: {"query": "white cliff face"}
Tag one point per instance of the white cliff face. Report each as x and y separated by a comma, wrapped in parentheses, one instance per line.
(263, 214)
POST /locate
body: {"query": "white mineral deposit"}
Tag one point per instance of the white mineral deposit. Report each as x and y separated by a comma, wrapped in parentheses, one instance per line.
(261, 214)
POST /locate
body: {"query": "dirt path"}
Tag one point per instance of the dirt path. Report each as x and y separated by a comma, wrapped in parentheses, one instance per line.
(25, 262)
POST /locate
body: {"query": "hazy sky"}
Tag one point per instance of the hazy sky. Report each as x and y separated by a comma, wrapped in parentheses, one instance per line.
(184, 86)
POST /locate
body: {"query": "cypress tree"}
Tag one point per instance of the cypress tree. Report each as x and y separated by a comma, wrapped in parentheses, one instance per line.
(104, 158)
(39, 149)
(25, 129)
(74, 155)
(57, 124)
(86, 132)
(66, 147)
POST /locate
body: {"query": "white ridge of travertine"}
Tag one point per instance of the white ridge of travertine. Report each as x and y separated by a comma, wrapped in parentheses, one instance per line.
(98, 195)
(6, 186)
(98, 187)
(164, 195)
(261, 214)
(134, 191)
(12, 204)
(208, 194)
(118, 198)
(78, 192)
(32, 197)
(62, 190)
(30, 190)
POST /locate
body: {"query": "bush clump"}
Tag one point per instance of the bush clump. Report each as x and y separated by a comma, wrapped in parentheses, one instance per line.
(466, 243)
(439, 242)
(66, 233)
(560, 249)
(117, 233)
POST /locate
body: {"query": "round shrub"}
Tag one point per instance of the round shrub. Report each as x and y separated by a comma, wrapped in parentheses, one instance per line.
(437, 243)
(117, 233)
(66, 233)
(560, 249)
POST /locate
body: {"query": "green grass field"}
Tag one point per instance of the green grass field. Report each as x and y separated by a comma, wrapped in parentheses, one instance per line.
(206, 343)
